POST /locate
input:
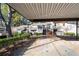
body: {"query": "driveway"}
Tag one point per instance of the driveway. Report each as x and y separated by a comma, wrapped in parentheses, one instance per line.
(51, 47)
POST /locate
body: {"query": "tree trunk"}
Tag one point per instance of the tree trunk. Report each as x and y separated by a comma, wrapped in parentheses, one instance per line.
(8, 29)
(8, 25)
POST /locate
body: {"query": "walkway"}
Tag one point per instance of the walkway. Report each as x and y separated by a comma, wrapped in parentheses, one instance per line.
(52, 47)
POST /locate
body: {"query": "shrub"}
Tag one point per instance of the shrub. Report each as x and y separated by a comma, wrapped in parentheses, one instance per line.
(11, 40)
(70, 33)
(38, 34)
(17, 34)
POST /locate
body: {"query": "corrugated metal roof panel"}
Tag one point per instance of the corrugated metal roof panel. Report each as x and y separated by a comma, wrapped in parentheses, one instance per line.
(47, 10)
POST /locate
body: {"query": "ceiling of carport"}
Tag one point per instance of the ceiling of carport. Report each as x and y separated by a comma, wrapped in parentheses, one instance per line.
(47, 10)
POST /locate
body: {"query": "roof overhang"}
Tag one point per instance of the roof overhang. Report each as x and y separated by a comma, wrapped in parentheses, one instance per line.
(47, 11)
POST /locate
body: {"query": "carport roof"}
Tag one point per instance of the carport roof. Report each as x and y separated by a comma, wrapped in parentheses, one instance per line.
(44, 11)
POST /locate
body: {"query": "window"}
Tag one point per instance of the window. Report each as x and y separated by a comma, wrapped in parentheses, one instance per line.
(68, 29)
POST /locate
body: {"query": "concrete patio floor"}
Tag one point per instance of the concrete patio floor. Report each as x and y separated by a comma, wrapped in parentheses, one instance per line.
(52, 47)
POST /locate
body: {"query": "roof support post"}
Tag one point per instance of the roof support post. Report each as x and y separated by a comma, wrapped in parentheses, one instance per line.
(76, 29)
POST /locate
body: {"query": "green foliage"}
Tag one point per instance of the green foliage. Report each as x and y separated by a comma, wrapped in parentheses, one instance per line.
(70, 33)
(16, 19)
(11, 40)
(5, 10)
(38, 34)
(17, 34)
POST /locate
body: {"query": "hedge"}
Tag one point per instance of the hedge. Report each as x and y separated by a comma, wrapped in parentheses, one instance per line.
(38, 34)
(12, 40)
(70, 33)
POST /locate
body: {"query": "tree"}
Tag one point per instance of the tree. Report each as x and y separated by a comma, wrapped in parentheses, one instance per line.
(9, 17)
(16, 19)
(6, 15)
(19, 20)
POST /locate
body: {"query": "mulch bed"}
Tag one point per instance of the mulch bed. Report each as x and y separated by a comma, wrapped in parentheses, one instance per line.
(7, 51)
